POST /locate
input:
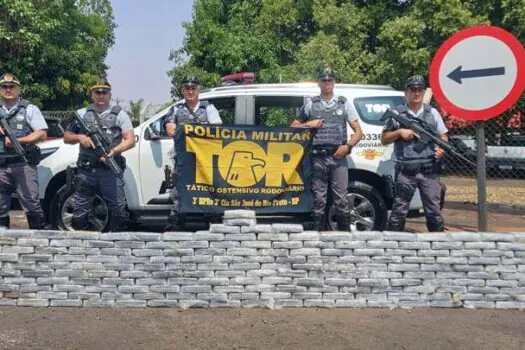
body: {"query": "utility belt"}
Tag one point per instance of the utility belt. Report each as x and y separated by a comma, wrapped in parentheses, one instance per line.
(321, 151)
(424, 168)
(33, 155)
(89, 164)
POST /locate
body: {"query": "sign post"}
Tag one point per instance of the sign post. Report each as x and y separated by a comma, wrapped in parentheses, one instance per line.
(482, 178)
(476, 75)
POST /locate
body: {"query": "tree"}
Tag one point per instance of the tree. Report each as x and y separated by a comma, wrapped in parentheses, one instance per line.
(364, 41)
(56, 47)
(135, 109)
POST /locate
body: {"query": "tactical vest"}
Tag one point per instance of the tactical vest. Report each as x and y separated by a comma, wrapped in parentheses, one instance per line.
(404, 150)
(110, 131)
(17, 119)
(333, 132)
(184, 116)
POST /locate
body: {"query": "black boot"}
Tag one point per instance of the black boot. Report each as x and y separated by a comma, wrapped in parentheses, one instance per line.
(35, 221)
(435, 224)
(174, 223)
(5, 221)
(118, 224)
(396, 225)
(343, 222)
(319, 222)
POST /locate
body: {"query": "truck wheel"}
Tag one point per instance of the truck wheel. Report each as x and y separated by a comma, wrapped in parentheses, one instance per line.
(63, 211)
(368, 211)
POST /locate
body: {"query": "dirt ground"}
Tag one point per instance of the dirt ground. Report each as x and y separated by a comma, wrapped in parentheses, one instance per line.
(57, 328)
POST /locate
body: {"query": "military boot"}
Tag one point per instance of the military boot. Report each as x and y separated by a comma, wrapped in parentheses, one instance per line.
(5, 221)
(174, 223)
(343, 222)
(396, 225)
(435, 224)
(118, 224)
(35, 221)
(319, 222)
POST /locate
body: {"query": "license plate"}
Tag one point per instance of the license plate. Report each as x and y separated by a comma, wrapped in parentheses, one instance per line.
(505, 167)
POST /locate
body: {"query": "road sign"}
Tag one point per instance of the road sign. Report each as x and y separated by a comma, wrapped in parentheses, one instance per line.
(478, 73)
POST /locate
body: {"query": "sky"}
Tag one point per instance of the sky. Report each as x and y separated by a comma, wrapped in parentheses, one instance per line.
(147, 31)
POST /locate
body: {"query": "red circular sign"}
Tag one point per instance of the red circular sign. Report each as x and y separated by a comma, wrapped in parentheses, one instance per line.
(519, 84)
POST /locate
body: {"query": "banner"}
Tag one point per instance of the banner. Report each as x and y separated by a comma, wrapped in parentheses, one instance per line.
(243, 167)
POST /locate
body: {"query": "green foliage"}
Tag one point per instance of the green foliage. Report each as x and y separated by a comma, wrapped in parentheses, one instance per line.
(55, 47)
(364, 41)
(135, 108)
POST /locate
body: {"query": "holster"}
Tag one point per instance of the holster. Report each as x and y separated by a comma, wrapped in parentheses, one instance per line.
(71, 174)
(33, 154)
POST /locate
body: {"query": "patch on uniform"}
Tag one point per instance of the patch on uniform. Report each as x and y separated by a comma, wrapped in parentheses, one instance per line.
(370, 153)
(339, 111)
(20, 118)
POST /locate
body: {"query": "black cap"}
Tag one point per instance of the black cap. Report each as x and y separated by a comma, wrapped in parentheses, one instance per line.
(9, 78)
(190, 81)
(101, 84)
(326, 74)
(415, 81)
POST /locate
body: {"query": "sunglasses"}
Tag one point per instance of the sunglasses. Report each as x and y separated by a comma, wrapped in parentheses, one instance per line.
(101, 92)
(7, 86)
(416, 89)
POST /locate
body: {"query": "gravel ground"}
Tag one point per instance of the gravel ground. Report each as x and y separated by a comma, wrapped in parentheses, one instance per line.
(58, 328)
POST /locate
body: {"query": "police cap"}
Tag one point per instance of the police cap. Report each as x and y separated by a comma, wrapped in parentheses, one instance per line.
(326, 74)
(415, 81)
(190, 81)
(9, 78)
(101, 84)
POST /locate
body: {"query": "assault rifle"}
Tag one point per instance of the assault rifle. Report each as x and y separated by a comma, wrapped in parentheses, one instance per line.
(425, 134)
(9, 133)
(101, 146)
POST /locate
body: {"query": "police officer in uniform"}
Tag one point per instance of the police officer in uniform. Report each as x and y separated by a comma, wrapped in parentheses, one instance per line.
(29, 127)
(416, 170)
(191, 111)
(93, 174)
(331, 114)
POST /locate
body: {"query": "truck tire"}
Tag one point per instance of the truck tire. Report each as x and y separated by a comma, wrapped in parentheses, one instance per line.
(62, 211)
(368, 210)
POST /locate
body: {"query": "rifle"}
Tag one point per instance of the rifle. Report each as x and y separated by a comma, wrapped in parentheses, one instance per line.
(426, 135)
(19, 149)
(101, 146)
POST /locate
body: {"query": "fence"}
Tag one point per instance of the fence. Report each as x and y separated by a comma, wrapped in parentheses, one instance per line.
(505, 163)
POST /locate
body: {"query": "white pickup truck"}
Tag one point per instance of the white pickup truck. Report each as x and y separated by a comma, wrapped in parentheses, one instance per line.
(371, 168)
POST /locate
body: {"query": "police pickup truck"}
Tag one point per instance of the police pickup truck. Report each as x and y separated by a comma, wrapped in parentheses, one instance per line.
(370, 165)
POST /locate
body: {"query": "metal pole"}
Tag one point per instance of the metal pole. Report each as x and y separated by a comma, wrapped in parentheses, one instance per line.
(481, 175)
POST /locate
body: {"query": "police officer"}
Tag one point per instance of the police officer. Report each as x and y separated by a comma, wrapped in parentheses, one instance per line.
(331, 114)
(93, 174)
(416, 170)
(29, 127)
(192, 111)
